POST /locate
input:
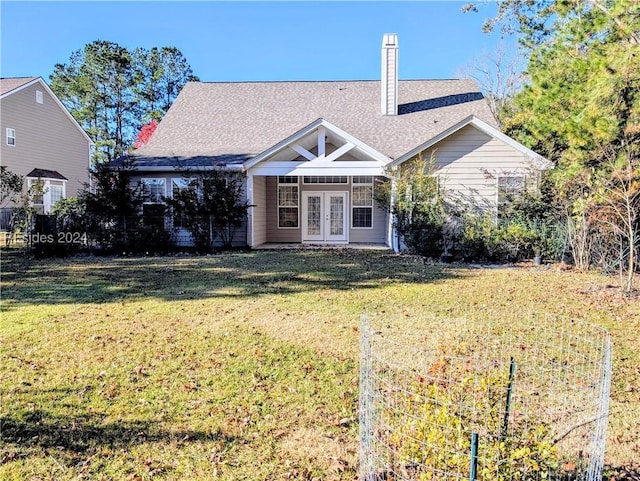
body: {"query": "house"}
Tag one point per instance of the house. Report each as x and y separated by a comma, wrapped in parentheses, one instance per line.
(311, 152)
(42, 140)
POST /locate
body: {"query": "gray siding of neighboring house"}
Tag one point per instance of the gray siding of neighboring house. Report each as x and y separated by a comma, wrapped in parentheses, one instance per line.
(240, 237)
(469, 162)
(45, 138)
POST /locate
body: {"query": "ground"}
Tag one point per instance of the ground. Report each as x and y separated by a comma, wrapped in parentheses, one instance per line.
(245, 365)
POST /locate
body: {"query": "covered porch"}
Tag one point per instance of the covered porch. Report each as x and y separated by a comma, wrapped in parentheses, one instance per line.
(315, 188)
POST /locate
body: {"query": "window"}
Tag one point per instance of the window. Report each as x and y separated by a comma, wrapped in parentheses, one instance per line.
(56, 191)
(180, 185)
(325, 179)
(46, 192)
(154, 190)
(39, 97)
(38, 192)
(510, 187)
(288, 202)
(362, 202)
(11, 136)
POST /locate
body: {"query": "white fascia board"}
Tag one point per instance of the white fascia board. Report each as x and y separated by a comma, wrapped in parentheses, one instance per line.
(484, 127)
(299, 168)
(358, 143)
(282, 144)
(57, 101)
(308, 129)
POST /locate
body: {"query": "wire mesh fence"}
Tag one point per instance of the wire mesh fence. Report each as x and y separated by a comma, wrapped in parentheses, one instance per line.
(497, 400)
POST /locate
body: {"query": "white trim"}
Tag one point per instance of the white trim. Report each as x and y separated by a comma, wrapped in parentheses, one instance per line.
(325, 217)
(339, 152)
(353, 206)
(249, 197)
(278, 206)
(299, 149)
(541, 162)
(322, 133)
(55, 98)
(296, 136)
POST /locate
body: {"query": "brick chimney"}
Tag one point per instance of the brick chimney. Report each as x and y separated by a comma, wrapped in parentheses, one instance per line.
(389, 97)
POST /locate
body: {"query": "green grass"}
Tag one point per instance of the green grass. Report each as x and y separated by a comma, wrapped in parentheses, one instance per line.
(243, 365)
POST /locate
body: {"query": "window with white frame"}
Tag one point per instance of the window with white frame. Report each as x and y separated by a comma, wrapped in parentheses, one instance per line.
(39, 97)
(288, 202)
(362, 202)
(46, 192)
(11, 136)
(325, 179)
(154, 190)
(56, 191)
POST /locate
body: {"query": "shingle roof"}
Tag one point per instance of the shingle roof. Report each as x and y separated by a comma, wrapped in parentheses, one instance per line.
(219, 121)
(46, 174)
(9, 84)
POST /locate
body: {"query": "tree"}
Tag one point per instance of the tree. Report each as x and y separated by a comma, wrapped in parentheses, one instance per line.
(162, 72)
(581, 105)
(109, 90)
(145, 134)
(499, 76)
(112, 207)
(211, 207)
(11, 185)
(417, 207)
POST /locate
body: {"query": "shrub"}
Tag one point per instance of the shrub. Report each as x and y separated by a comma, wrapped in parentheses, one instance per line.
(432, 437)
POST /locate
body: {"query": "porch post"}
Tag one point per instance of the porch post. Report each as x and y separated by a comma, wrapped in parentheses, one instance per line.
(392, 236)
(250, 236)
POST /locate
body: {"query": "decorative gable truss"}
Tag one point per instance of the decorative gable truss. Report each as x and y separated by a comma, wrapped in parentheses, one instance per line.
(320, 148)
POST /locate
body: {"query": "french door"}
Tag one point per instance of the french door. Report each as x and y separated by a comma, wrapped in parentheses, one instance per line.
(324, 217)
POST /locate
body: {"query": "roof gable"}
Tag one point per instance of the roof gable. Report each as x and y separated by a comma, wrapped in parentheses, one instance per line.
(316, 134)
(10, 86)
(14, 84)
(538, 160)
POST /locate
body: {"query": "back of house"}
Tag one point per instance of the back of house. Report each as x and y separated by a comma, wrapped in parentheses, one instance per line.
(311, 153)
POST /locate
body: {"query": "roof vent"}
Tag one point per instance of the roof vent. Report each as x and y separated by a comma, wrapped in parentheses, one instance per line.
(389, 94)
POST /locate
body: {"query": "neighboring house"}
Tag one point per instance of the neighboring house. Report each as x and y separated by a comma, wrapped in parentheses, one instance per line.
(41, 140)
(311, 152)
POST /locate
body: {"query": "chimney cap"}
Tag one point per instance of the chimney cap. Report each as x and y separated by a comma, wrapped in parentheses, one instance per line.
(390, 40)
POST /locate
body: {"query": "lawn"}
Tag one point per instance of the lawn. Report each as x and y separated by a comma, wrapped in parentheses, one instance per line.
(245, 365)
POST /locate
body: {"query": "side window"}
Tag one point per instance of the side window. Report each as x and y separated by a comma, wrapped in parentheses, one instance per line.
(362, 202)
(11, 137)
(154, 190)
(288, 202)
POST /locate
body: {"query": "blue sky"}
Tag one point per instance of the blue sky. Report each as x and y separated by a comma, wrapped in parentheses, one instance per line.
(237, 41)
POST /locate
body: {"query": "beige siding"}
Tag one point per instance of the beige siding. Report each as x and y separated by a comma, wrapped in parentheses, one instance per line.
(259, 210)
(274, 234)
(45, 138)
(377, 234)
(469, 162)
